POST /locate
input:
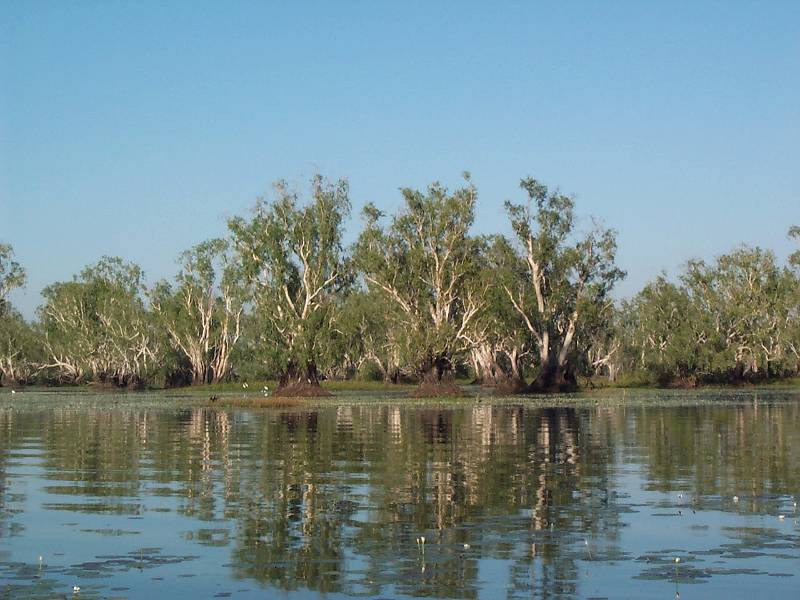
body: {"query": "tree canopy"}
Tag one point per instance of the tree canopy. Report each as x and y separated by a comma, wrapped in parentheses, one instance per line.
(202, 312)
(424, 263)
(293, 265)
(96, 327)
(418, 297)
(556, 279)
(12, 275)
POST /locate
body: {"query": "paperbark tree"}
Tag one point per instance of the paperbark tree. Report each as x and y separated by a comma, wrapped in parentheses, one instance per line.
(12, 275)
(748, 303)
(202, 313)
(293, 265)
(19, 346)
(599, 341)
(794, 233)
(96, 327)
(564, 275)
(499, 342)
(425, 265)
(20, 349)
(732, 320)
(664, 334)
(794, 262)
(366, 337)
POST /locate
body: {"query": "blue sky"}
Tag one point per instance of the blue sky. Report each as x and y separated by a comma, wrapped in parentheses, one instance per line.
(137, 128)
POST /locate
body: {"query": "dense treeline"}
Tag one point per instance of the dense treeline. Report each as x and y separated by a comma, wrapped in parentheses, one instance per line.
(416, 298)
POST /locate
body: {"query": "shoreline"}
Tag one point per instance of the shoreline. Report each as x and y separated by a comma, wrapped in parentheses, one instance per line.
(254, 389)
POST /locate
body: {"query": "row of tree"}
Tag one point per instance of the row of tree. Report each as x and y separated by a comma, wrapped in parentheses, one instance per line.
(416, 297)
(736, 319)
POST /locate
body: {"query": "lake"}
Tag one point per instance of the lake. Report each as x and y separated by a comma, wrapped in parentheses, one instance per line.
(621, 495)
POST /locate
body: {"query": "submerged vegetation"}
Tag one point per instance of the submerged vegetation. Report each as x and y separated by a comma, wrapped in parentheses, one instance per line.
(417, 299)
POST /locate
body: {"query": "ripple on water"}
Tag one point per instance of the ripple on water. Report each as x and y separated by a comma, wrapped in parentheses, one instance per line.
(519, 497)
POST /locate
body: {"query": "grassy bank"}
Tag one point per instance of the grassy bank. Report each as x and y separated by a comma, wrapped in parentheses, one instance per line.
(255, 389)
(641, 383)
(271, 384)
(587, 385)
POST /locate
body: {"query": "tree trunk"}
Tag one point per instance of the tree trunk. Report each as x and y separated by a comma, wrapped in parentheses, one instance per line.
(198, 377)
(300, 381)
(554, 376)
(484, 365)
(503, 375)
(499, 369)
(392, 376)
(437, 378)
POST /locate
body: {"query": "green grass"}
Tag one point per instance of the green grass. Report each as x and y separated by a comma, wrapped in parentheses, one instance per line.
(587, 385)
(334, 386)
(622, 382)
(350, 385)
(641, 382)
(787, 382)
(233, 386)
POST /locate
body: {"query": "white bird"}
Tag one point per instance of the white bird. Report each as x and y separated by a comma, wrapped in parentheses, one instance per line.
(466, 546)
(736, 498)
(76, 589)
(13, 391)
(677, 559)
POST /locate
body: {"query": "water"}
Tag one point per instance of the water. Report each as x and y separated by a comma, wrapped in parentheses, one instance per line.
(144, 496)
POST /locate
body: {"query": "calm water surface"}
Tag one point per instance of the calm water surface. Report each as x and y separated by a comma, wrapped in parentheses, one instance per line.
(651, 496)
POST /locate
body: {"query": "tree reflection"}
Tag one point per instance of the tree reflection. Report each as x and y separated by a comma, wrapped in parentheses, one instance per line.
(337, 499)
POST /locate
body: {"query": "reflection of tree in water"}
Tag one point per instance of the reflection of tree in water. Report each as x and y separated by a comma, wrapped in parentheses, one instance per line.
(290, 541)
(722, 449)
(367, 482)
(10, 435)
(570, 454)
(290, 525)
(335, 499)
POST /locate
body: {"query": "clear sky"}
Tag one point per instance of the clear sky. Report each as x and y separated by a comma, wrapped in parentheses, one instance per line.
(137, 128)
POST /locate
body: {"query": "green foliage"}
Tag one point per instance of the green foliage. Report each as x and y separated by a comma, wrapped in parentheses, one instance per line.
(12, 275)
(420, 296)
(202, 313)
(293, 266)
(662, 333)
(500, 340)
(97, 328)
(558, 281)
(730, 321)
(367, 347)
(747, 303)
(794, 233)
(19, 345)
(20, 349)
(425, 265)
